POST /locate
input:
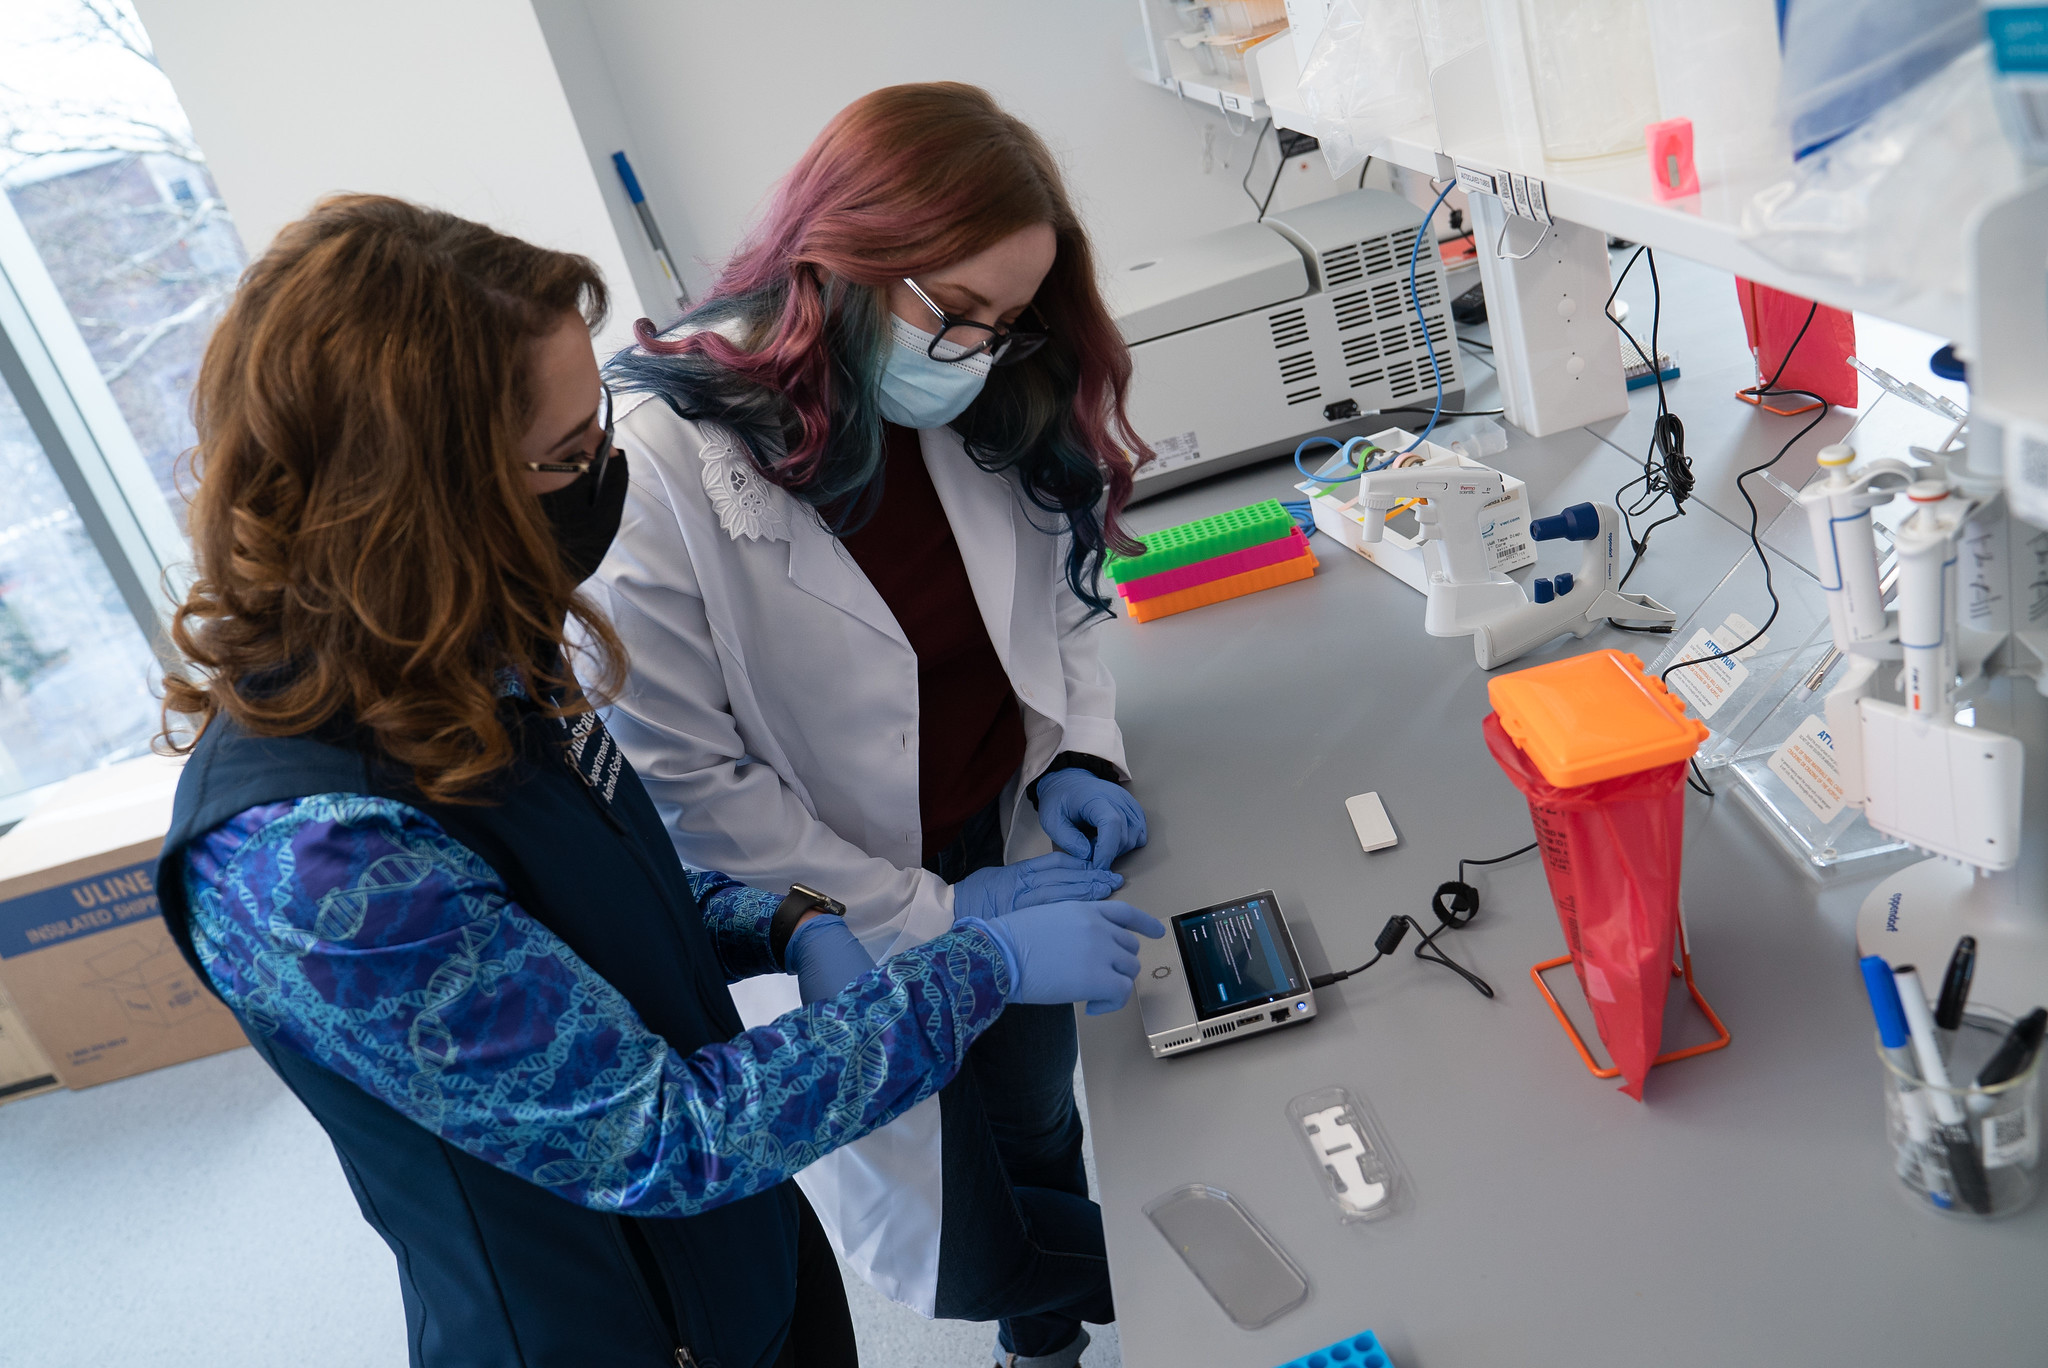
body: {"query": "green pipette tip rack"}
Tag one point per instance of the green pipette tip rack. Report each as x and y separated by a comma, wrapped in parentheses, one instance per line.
(1216, 535)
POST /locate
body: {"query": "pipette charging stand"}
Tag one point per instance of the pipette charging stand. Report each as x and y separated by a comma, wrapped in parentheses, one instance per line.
(1916, 915)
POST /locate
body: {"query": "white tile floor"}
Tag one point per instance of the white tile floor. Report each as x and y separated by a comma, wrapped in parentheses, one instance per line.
(196, 1218)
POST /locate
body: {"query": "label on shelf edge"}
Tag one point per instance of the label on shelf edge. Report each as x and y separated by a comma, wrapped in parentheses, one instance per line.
(1476, 181)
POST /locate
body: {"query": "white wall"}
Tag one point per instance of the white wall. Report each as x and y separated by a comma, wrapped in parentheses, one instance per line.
(718, 99)
(454, 103)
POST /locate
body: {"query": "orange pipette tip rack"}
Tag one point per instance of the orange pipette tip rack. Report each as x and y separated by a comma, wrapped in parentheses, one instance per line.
(1594, 717)
(1232, 586)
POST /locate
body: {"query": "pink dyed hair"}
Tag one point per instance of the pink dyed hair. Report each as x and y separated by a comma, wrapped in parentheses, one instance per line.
(905, 180)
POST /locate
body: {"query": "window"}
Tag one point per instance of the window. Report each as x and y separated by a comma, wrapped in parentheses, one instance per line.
(116, 259)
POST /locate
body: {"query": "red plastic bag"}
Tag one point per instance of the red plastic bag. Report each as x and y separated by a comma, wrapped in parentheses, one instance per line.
(1773, 320)
(1612, 851)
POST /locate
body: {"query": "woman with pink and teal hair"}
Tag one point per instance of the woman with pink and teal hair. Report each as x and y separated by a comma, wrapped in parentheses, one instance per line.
(876, 473)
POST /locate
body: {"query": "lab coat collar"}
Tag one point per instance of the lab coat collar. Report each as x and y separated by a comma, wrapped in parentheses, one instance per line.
(821, 566)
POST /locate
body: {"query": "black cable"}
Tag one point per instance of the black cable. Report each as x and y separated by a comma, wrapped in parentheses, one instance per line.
(1754, 517)
(1245, 182)
(1475, 342)
(1697, 781)
(1769, 389)
(1361, 172)
(1667, 470)
(1460, 910)
(1267, 202)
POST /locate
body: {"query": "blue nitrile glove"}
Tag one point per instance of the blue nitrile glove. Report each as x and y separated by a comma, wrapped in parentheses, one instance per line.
(1001, 889)
(825, 957)
(1068, 798)
(1072, 952)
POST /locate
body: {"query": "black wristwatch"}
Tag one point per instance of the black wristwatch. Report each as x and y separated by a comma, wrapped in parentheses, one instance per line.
(800, 903)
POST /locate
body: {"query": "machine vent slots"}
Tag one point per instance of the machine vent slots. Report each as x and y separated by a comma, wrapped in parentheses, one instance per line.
(1353, 310)
(1221, 1028)
(1341, 266)
(1377, 255)
(1401, 380)
(1290, 329)
(1366, 378)
(1361, 349)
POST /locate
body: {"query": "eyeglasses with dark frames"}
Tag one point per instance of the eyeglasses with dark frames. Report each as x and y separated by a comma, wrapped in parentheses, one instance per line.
(597, 463)
(962, 338)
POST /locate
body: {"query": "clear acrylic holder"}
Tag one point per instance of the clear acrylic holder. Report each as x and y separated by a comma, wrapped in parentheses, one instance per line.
(1350, 1154)
(1770, 703)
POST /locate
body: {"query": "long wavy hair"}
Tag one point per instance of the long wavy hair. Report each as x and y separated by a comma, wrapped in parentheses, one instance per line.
(787, 348)
(368, 554)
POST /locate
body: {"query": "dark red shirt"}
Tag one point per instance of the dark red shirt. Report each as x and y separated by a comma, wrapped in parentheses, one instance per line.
(970, 731)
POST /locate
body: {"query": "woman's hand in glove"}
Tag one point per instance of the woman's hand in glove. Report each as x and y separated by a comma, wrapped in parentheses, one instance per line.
(1070, 799)
(1073, 952)
(1001, 889)
(825, 957)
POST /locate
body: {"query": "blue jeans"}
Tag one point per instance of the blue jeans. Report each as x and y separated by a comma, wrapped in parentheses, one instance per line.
(1020, 1242)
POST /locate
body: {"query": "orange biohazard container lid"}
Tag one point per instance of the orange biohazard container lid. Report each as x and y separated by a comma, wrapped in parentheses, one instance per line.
(1593, 717)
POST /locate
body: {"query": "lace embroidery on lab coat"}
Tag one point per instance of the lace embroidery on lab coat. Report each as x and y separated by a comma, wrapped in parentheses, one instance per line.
(747, 505)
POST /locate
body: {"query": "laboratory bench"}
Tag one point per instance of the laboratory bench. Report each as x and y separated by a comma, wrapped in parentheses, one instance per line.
(1744, 1213)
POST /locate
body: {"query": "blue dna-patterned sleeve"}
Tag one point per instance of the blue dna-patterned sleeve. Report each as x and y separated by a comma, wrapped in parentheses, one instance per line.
(356, 932)
(738, 916)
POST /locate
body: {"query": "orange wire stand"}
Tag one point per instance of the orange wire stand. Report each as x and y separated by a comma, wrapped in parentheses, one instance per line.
(1685, 972)
(1754, 395)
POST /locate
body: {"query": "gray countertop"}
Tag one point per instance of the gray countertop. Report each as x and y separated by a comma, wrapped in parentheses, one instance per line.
(1745, 1213)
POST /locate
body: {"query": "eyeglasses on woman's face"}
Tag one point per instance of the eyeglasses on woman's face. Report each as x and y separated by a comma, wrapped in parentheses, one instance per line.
(595, 463)
(961, 338)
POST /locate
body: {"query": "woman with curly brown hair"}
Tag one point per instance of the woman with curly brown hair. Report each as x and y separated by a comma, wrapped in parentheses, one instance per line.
(409, 857)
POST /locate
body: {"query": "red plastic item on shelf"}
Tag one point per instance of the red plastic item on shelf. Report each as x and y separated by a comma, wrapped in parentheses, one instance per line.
(1286, 548)
(1672, 172)
(1612, 851)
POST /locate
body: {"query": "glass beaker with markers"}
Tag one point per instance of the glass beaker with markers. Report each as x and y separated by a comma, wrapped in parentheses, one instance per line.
(1970, 1145)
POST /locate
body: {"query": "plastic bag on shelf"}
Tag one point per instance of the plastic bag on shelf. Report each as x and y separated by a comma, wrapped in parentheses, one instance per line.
(1846, 59)
(1450, 29)
(1366, 77)
(1885, 206)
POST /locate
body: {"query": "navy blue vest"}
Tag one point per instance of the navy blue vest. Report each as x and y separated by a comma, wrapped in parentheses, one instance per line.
(495, 1270)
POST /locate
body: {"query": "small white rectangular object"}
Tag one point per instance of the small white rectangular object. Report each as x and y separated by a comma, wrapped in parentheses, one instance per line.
(1369, 820)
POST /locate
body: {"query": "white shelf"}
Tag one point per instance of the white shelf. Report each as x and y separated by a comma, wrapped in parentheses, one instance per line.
(1613, 195)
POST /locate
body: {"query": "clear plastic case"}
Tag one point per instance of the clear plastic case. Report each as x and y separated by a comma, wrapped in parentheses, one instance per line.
(1352, 1159)
(1250, 1277)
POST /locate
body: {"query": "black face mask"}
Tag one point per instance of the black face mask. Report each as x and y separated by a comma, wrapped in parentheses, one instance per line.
(585, 516)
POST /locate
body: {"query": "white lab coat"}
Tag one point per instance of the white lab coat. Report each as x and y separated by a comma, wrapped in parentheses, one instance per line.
(772, 714)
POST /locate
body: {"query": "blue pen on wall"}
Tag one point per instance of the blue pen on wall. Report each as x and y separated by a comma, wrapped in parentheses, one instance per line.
(654, 238)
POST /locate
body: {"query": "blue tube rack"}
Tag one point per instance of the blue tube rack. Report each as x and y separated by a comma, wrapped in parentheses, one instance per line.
(1362, 1350)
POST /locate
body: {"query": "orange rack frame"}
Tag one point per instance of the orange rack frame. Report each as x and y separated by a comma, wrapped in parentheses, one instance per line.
(1681, 970)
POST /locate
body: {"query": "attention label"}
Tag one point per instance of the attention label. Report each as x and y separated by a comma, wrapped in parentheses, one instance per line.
(1806, 762)
(1706, 687)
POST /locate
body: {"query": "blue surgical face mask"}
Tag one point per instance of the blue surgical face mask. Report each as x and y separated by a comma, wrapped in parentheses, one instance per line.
(919, 392)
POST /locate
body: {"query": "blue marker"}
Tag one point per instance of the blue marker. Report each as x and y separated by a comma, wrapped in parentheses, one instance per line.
(653, 230)
(1893, 1036)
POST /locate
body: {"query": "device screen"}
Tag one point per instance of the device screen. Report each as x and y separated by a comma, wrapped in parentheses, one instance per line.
(1237, 955)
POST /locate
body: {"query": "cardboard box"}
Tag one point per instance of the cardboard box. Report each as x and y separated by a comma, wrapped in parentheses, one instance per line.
(84, 951)
(24, 1070)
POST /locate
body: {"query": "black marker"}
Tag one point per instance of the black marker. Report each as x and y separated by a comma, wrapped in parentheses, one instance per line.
(1955, 984)
(2017, 1050)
